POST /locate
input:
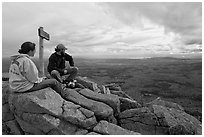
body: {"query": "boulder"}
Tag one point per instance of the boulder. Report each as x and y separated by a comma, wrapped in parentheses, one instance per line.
(121, 94)
(126, 103)
(41, 101)
(5, 92)
(78, 115)
(177, 120)
(87, 83)
(93, 133)
(29, 128)
(178, 130)
(159, 120)
(113, 86)
(14, 127)
(109, 99)
(47, 101)
(104, 90)
(43, 124)
(101, 110)
(45, 112)
(7, 115)
(140, 120)
(160, 102)
(106, 128)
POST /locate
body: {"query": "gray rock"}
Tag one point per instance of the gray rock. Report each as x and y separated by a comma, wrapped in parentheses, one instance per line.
(77, 115)
(178, 130)
(160, 102)
(29, 128)
(113, 86)
(121, 94)
(101, 110)
(38, 124)
(111, 100)
(106, 128)
(93, 133)
(7, 115)
(159, 120)
(87, 112)
(5, 92)
(41, 101)
(45, 112)
(14, 127)
(104, 90)
(87, 83)
(177, 119)
(47, 101)
(140, 120)
(81, 132)
(126, 103)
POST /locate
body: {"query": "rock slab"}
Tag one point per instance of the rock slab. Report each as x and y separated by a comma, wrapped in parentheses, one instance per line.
(106, 128)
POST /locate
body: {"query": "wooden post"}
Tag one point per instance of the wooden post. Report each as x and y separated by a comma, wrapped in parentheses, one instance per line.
(41, 62)
(42, 35)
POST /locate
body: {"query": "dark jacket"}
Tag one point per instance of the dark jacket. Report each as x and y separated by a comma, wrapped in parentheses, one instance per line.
(57, 62)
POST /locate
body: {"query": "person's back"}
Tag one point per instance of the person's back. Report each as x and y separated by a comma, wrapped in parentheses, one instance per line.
(16, 80)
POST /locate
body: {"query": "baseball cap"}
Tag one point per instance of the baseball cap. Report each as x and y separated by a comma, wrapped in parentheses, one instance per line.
(61, 46)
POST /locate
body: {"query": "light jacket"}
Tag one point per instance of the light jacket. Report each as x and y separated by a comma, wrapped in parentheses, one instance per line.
(23, 73)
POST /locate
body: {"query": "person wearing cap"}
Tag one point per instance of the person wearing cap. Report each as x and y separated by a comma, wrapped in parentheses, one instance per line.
(57, 66)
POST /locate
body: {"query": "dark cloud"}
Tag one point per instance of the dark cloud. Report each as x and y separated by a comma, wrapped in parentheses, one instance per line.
(179, 17)
(86, 29)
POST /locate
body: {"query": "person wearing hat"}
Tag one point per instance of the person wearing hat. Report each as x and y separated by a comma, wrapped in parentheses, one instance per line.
(57, 66)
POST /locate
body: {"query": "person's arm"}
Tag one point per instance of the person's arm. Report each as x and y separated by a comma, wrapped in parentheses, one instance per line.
(70, 59)
(53, 64)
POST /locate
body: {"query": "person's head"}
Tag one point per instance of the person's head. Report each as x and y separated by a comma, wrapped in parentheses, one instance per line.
(27, 48)
(60, 48)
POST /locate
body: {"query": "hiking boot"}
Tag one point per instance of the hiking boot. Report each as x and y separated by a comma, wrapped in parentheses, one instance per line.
(71, 85)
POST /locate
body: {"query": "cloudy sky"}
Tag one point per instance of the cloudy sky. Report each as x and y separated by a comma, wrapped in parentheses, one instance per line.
(88, 29)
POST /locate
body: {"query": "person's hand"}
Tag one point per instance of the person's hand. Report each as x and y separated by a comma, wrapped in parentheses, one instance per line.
(65, 71)
(43, 78)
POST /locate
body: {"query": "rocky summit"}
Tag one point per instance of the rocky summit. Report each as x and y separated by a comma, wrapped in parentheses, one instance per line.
(91, 110)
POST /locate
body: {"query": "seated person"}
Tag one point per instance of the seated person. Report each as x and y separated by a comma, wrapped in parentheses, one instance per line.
(23, 73)
(57, 68)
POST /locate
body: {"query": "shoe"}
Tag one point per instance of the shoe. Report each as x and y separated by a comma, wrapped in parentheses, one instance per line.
(74, 81)
(71, 85)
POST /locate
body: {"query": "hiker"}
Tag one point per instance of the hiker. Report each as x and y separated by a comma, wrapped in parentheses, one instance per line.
(57, 68)
(23, 73)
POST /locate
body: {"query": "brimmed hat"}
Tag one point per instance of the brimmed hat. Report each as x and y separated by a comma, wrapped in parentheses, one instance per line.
(61, 46)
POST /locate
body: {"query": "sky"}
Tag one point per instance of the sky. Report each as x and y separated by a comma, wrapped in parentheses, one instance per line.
(105, 29)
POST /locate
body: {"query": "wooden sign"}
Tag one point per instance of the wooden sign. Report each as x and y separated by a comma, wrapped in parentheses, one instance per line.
(43, 34)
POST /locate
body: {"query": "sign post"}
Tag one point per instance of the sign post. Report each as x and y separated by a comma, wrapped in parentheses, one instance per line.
(42, 35)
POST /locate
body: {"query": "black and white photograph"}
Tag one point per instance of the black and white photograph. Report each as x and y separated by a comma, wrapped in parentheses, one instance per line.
(101, 68)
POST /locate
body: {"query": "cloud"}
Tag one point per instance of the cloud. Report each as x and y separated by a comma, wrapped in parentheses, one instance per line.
(104, 29)
(107, 40)
(182, 18)
(20, 22)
